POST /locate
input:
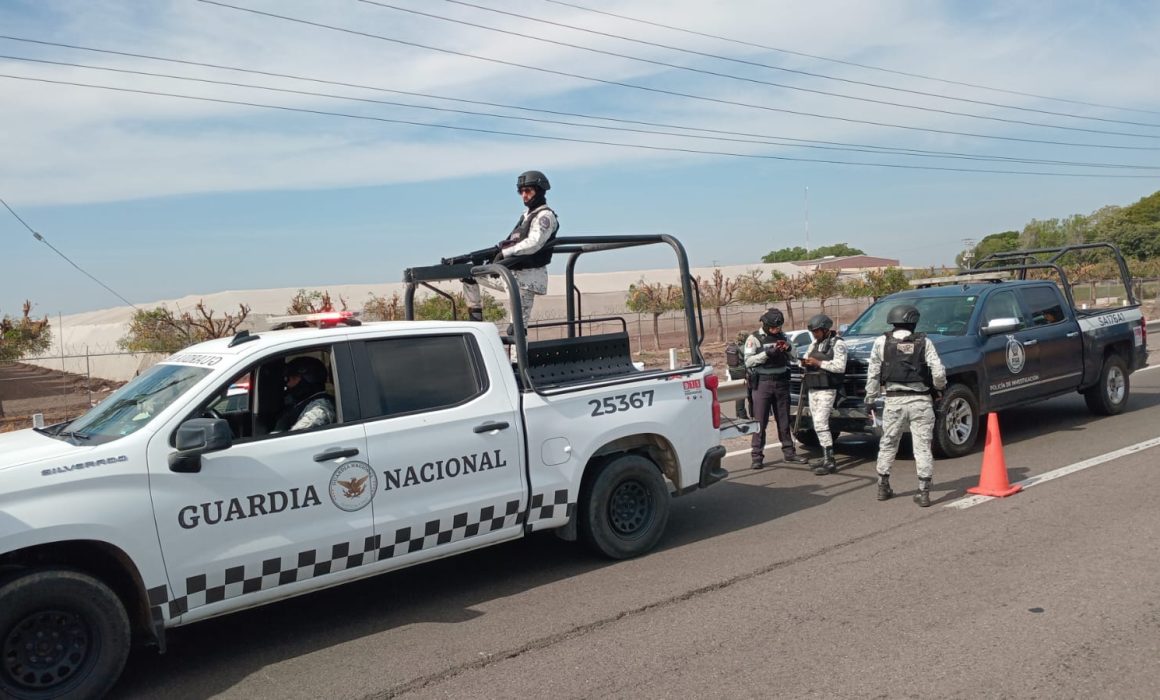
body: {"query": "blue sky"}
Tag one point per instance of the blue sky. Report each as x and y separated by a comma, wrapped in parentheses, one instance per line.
(161, 197)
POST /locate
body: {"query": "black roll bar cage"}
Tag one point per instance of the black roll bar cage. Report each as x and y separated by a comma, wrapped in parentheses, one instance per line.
(575, 246)
(1021, 261)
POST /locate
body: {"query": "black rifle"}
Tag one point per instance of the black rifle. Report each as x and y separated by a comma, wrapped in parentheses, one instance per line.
(475, 257)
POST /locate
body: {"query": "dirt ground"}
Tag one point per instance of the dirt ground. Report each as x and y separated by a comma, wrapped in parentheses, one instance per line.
(28, 389)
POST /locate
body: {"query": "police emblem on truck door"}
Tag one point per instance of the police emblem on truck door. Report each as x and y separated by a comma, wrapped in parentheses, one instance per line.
(1016, 356)
(353, 486)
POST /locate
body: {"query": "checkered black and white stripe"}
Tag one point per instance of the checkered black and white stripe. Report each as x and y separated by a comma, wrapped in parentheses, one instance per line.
(203, 589)
(559, 505)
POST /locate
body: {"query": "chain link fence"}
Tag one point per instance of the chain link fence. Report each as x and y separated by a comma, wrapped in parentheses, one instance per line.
(54, 388)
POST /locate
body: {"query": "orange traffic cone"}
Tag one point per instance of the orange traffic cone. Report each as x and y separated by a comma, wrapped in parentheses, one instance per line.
(993, 479)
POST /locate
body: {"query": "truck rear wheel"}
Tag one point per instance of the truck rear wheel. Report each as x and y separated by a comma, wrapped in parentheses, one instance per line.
(1109, 396)
(624, 508)
(956, 426)
(63, 634)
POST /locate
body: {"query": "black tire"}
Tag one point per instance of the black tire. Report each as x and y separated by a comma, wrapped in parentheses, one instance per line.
(624, 508)
(1109, 396)
(63, 634)
(957, 423)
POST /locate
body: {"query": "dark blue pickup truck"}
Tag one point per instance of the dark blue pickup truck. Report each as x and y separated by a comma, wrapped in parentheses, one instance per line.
(1005, 340)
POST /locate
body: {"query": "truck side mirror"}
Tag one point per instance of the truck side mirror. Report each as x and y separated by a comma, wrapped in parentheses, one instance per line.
(196, 437)
(1000, 325)
(843, 328)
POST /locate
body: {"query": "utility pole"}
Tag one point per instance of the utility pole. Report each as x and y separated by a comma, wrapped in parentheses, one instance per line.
(807, 221)
(968, 252)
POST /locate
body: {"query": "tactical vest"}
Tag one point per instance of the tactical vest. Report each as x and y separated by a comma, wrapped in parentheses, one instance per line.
(291, 414)
(904, 361)
(776, 363)
(820, 378)
(541, 257)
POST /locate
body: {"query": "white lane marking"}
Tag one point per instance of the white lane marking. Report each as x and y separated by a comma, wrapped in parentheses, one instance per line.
(747, 449)
(1062, 471)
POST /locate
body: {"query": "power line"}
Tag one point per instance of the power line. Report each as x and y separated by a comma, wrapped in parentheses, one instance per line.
(755, 81)
(565, 139)
(522, 66)
(855, 147)
(795, 71)
(557, 122)
(848, 63)
(44, 240)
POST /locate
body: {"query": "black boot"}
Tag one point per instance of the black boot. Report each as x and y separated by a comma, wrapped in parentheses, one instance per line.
(794, 458)
(885, 493)
(827, 465)
(475, 313)
(922, 498)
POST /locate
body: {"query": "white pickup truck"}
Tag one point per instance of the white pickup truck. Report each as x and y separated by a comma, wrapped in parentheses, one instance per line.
(177, 499)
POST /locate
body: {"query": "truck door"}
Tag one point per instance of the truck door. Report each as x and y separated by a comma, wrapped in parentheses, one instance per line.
(447, 441)
(1010, 362)
(1057, 334)
(276, 510)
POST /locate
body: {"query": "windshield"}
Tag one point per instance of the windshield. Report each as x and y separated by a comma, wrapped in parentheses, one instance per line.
(937, 316)
(132, 406)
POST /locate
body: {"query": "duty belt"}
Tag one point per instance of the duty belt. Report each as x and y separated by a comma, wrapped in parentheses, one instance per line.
(769, 376)
(924, 392)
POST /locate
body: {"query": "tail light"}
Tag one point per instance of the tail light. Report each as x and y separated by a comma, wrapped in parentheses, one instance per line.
(711, 383)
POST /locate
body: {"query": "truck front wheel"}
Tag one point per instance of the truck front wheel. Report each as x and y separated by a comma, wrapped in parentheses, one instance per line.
(63, 634)
(1109, 396)
(624, 507)
(956, 426)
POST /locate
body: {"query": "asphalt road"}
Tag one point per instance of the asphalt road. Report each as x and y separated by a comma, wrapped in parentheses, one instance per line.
(773, 583)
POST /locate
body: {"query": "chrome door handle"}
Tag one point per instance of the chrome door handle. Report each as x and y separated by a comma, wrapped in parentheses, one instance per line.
(1029, 343)
(1073, 334)
(490, 426)
(335, 453)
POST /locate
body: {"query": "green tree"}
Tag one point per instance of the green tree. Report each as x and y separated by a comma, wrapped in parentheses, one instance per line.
(160, 330)
(717, 293)
(312, 302)
(435, 307)
(877, 283)
(786, 255)
(654, 299)
(993, 243)
(378, 308)
(796, 253)
(23, 336)
(823, 285)
(754, 289)
(838, 250)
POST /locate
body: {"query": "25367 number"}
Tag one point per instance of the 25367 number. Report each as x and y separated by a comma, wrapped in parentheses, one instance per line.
(622, 402)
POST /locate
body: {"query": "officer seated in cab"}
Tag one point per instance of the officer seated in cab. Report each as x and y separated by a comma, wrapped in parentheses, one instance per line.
(307, 403)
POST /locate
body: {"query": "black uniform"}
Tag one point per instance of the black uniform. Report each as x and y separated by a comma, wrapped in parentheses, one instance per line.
(768, 361)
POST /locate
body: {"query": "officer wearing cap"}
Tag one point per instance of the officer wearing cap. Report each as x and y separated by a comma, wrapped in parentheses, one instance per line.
(906, 368)
(767, 357)
(523, 251)
(825, 367)
(307, 403)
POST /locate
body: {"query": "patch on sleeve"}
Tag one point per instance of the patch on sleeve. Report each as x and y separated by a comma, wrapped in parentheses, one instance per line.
(545, 223)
